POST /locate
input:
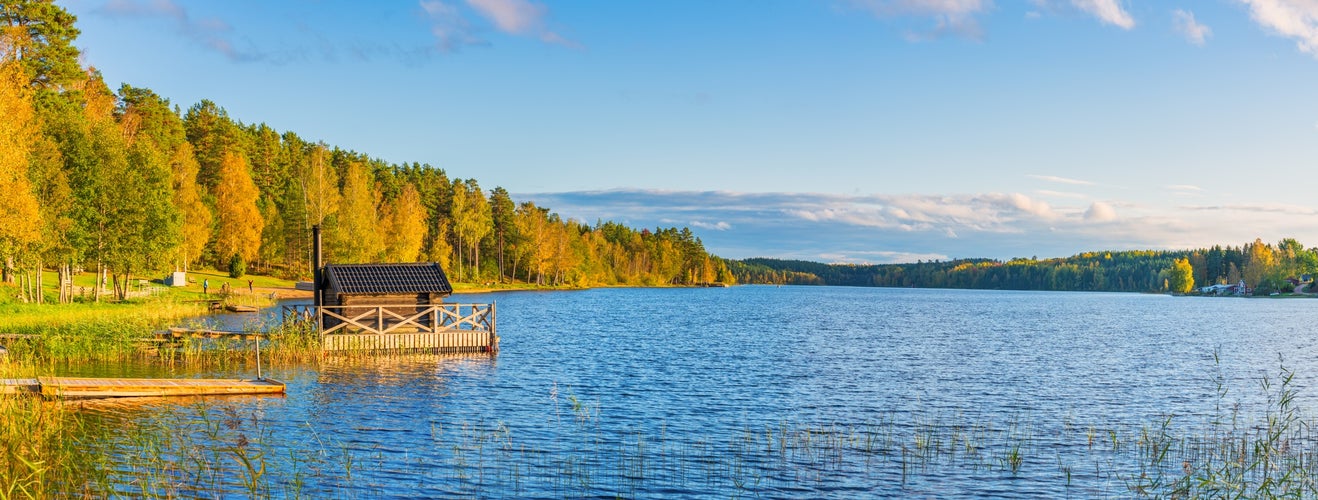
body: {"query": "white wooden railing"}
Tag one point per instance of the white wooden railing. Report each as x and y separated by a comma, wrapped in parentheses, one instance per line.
(382, 319)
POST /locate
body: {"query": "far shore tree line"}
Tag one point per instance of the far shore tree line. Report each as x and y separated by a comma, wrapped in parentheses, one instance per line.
(1263, 267)
(125, 184)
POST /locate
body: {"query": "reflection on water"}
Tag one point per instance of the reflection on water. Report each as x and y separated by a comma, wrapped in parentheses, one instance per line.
(775, 392)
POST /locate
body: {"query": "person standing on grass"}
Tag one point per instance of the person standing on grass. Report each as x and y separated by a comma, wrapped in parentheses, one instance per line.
(249, 287)
(205, 286)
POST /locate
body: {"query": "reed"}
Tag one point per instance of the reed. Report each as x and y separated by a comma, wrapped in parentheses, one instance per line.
(224, 447)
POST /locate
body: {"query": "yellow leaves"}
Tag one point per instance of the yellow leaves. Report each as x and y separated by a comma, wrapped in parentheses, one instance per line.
(235, 205)
(1180, 278)
(404, 227)
(20, 216)
(197, 217)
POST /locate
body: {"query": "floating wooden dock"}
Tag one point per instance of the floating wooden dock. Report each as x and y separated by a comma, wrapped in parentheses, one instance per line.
(456, 341)
(78, 387)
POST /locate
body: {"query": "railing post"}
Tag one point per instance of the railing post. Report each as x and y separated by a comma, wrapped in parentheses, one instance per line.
(379, 320)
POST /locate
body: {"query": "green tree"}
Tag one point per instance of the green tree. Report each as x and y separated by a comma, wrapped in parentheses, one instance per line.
(472, 221)
(40, 36)
(503, 212)
(356, 238)
(532, 222)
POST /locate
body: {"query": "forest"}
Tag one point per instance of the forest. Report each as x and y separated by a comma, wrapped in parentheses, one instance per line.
(126, 183)
(1264, 267)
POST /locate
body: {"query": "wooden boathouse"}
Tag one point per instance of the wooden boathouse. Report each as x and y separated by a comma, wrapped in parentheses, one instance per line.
(394, 307)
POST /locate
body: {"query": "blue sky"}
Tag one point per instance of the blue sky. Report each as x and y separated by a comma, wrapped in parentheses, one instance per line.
(832, 130)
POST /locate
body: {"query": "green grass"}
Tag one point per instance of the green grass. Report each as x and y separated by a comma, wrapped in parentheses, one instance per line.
(38, 318)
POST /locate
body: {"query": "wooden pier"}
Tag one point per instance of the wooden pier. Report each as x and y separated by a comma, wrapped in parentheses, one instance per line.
(79, 387)
(177, 334)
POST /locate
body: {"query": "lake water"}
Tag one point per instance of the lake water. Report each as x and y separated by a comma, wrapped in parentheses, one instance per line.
(760, 391)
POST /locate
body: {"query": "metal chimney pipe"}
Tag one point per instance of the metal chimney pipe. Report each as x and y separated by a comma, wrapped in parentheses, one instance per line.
(316, 265)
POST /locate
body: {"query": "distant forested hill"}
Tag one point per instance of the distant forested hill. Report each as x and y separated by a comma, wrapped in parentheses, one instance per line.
(1263, 266)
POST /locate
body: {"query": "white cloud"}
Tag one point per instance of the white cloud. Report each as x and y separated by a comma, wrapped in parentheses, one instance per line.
(950, 16)
(1108, 11)
(1188, 27)
(1295, 19)
(1060, 180)
(996, 225)
(1100, 212)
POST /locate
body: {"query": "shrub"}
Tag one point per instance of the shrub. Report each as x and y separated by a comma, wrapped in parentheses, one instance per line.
(237, 266)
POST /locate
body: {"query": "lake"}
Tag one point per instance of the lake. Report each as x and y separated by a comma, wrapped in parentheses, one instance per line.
(779, 392)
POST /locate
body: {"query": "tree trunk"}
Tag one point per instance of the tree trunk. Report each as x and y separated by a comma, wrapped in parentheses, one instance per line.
(458, 249)
(514, 273)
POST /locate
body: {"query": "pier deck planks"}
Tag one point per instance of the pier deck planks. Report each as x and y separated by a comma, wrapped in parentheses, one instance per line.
(77, 387)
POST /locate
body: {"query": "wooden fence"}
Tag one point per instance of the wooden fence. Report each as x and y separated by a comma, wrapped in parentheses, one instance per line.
(406, 326)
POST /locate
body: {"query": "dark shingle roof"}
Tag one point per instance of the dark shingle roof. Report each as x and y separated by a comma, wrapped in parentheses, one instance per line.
(421, 277)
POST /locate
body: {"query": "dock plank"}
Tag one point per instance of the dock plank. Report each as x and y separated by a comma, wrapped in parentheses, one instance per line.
(19, 385)
(81, 387)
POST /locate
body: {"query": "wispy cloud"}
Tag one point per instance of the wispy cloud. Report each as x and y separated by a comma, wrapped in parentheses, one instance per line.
(951, 17)
(1060, 180)
(878, 257)
(1260, 208)
(453, 30)
(1107, 11)
(449, 26)
(212, 33)
(716, 226)
(1294, 19)
(519, 17)
(1188, 27)
(1059, 194)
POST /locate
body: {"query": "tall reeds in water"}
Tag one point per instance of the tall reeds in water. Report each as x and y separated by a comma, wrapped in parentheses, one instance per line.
(223, 448)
